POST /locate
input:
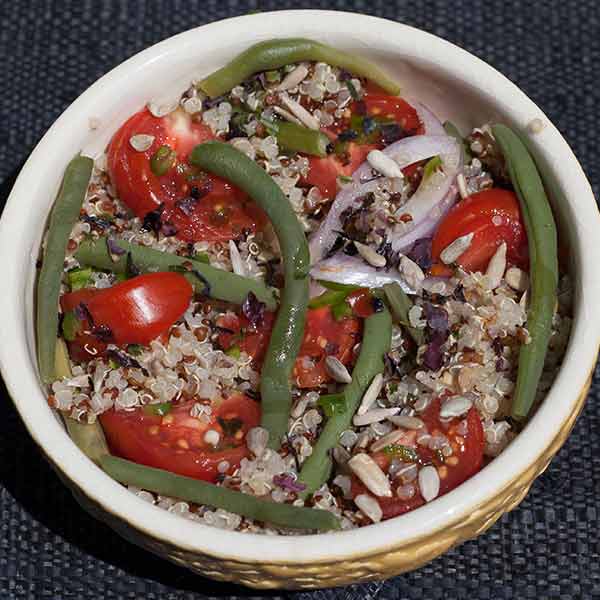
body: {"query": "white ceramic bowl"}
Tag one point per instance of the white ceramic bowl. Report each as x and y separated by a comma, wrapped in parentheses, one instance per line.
(454, 84)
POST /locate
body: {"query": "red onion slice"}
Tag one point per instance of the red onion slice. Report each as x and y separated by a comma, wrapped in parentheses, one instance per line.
(431, 124)
(434, 191)
(352, 270)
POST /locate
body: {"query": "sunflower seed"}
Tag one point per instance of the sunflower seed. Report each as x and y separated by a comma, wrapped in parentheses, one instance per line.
(161, 110)
(386, 440)
(141, 142)
(288, 116)
(453, 251)
(292, 79)
(412, 273)
(371, 394)
(455, 406)
(462, 186)
(300, 112)
(375, 416)
(370, 256)
(384, 164)
(517, 279)
(407, 422)
(429, 483)
(337, 370)
(369, 472)
(496, 267)
(237, 264)
(369, 506)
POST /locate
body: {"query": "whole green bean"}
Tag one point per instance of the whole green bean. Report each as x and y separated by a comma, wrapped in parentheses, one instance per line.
(223, 284)
(63, 216)
(400, 304)
(273, 54)
(295, 138)
(276, 397)
(200, 492)
(543, 261)
(376, 342)
(453, 131)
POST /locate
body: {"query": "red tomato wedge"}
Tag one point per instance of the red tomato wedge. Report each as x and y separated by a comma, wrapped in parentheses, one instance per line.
(213, 211)
(133, 312)
(394, 108)
(466, 460)
(323, 336)
(176, 442)
(493, 216)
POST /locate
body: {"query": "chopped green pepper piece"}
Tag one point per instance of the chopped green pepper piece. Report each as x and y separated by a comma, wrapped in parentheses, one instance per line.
(79, 278)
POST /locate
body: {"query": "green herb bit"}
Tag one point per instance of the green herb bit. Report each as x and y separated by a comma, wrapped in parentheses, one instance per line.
(202, 257)
(333, 285)
(158, 410)
(163, 160)
(234, 352)
(433, 165)
(400, 305)
(405, 453)
(135, 349)
(79, 278)
(273, 76)
(452, 131)
(352, 90)
(328, 298)
(333, 404)
(71, 326)
(341, 311)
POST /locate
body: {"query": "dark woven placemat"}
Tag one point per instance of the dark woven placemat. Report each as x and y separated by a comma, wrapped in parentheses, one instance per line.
(548, 548)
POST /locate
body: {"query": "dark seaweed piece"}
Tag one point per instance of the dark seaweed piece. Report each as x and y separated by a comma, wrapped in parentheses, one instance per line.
(337, 245)
(230, 426)
(391, 132)
(103, 333)
(123, 359)
(153, 220)
(131, 268)
(369, 125)
(113, 247)
(98, 222)
(347, 135)
(83, 313)
(437, 320)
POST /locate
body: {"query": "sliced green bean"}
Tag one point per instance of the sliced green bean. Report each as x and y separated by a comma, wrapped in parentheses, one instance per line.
(200, 492)
(543, 261)
(63, 216)
(295, 138)
(276, 396)
(273, 54)
(375, 343)
(400, 304)
(453, 131)
(223, 284)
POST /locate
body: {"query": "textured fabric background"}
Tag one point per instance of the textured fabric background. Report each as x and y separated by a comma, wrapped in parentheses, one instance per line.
(548, 548)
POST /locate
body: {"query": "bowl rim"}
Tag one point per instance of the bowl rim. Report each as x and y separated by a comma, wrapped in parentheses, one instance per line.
(20, 375)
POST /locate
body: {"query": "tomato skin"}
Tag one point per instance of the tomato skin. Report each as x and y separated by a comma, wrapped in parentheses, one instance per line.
(493, 216)
(323, 336)
(394, 108)
(468, 449)
(176, 443)
(221, 213)
(361, 302)
(135, 311)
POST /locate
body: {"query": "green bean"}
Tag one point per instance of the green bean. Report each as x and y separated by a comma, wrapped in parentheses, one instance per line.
(223, 284)
(276, 396)
(63, 216)
(453, 131)
(375, 343)
(400, 304)
(295, 138)
(273, 54)
(543, 261)
(200, 492)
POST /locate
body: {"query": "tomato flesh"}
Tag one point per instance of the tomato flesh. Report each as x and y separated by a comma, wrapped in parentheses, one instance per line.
(323, 336)
(493, 216)
(466, 460)
(132, 312)
(324, 172)
(175, 442)
(219, 212)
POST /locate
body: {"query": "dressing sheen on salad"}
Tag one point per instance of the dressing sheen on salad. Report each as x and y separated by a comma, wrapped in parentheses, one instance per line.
(294, 300)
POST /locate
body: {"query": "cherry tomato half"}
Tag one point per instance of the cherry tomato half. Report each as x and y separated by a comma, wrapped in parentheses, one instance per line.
(493, 216)
(213, 210)
(323, 336)
(466, 460)
(133, 312)
(176, 441)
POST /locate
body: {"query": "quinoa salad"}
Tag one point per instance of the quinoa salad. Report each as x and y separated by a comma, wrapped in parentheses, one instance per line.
(293, 300)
